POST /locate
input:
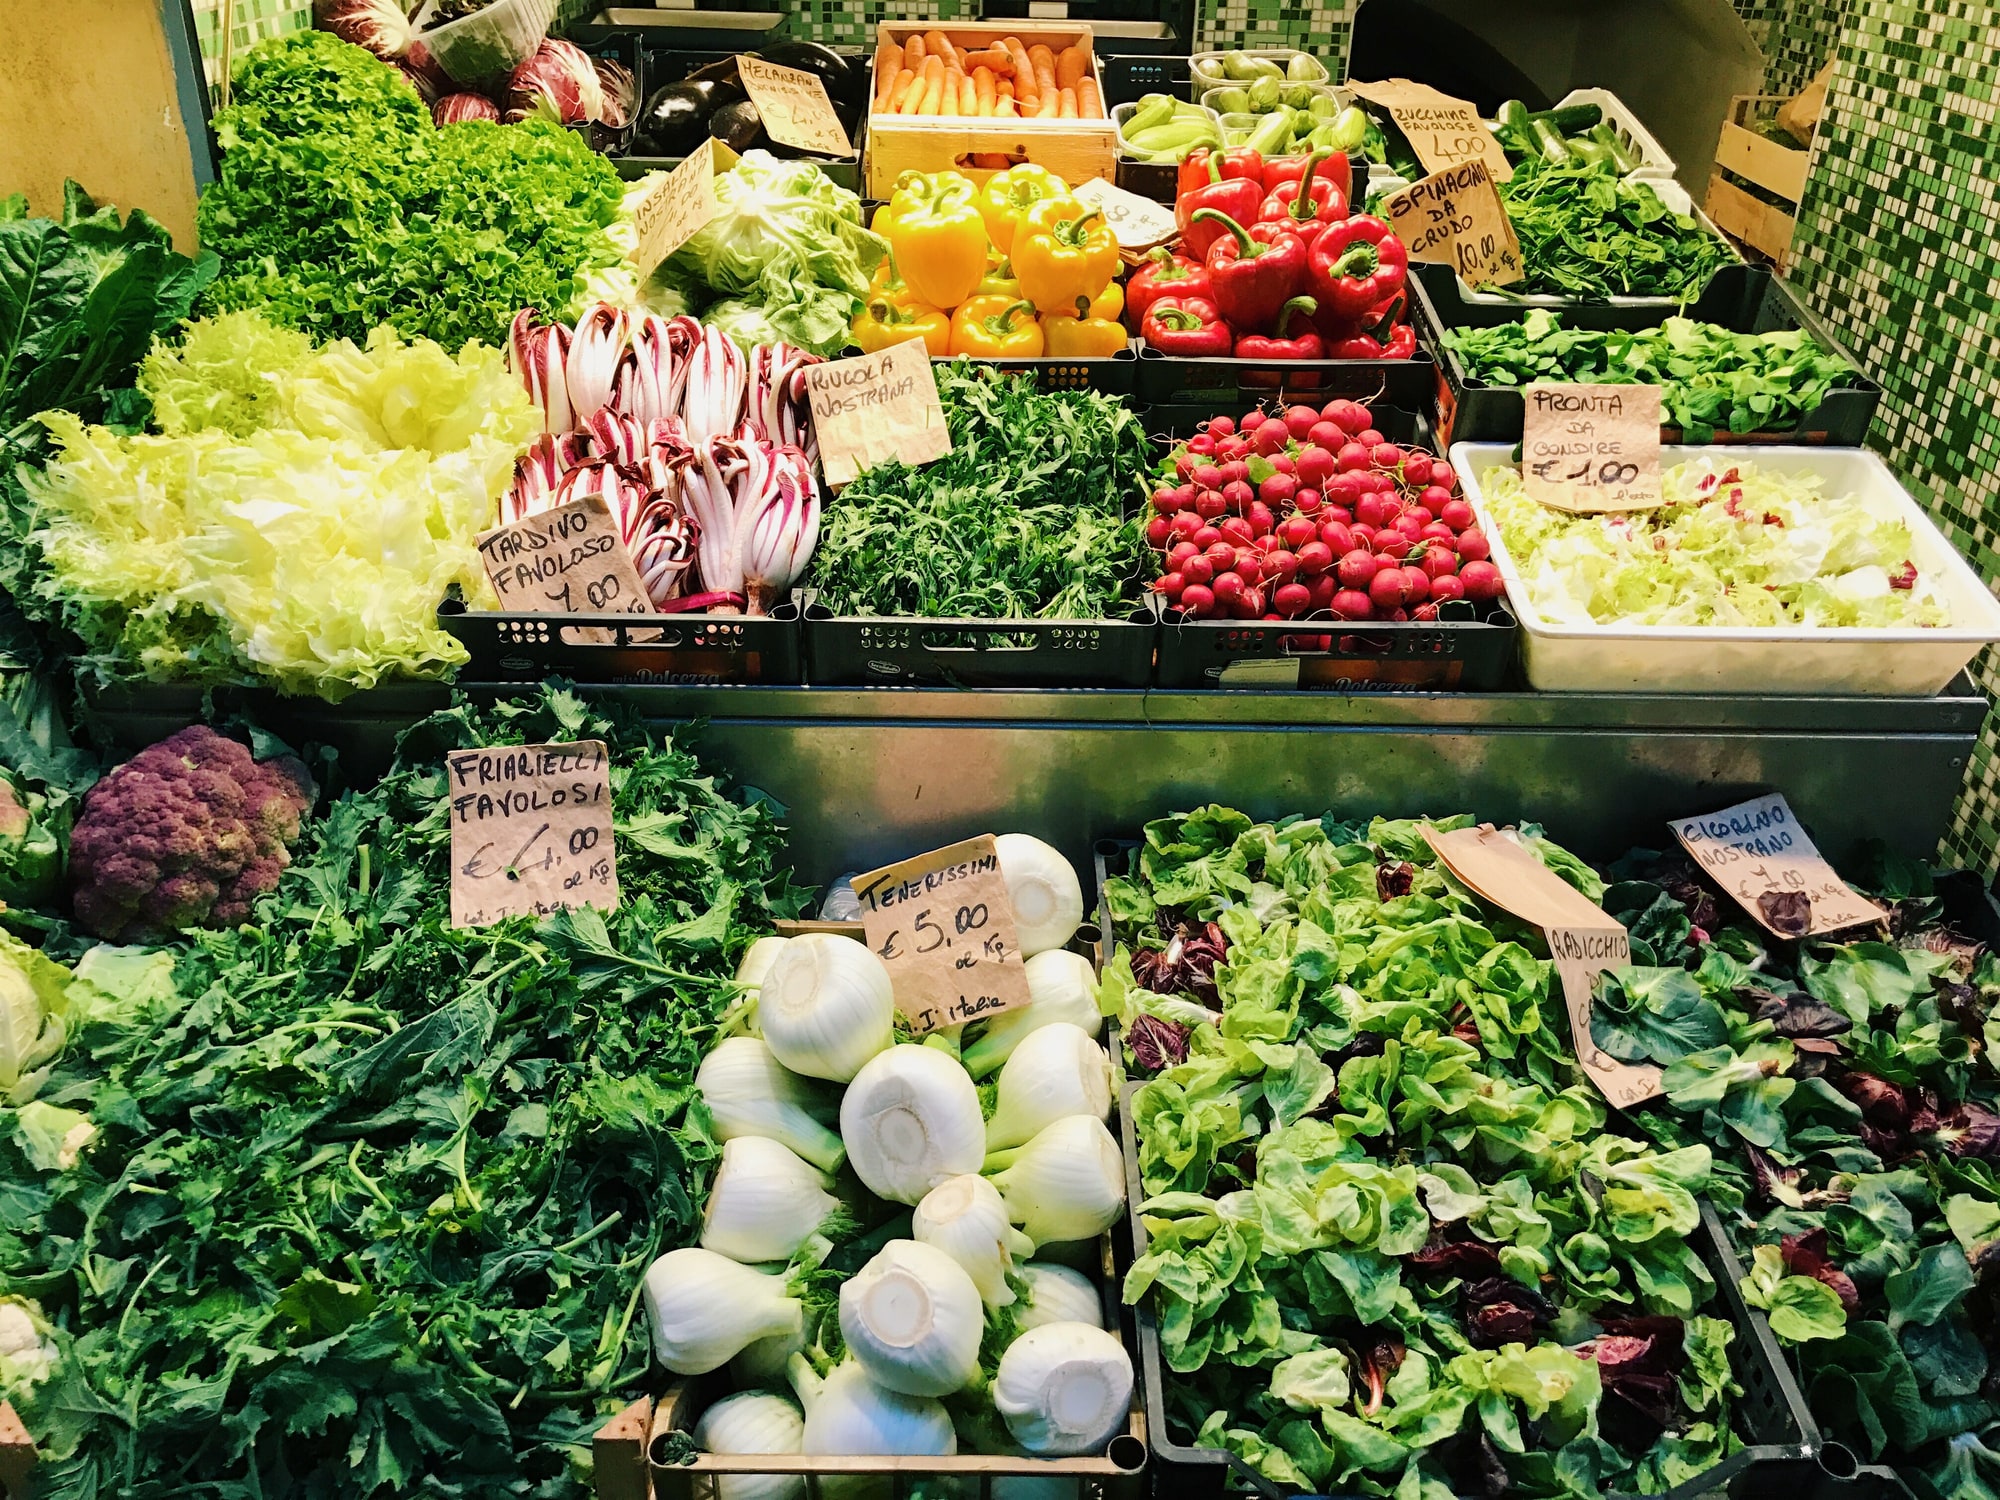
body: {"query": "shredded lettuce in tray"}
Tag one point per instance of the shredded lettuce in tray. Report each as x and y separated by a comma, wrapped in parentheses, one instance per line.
(1735, 545)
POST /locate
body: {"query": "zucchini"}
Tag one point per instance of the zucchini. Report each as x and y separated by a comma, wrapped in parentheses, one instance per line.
(1548, 140)
(1576, 119)
(1512, 116)
(1593, 152)
(1611, 140)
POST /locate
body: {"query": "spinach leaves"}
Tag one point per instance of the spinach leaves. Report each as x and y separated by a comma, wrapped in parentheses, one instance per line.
(1589, 235)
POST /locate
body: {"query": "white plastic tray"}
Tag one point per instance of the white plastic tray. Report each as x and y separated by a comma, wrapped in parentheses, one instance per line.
(476, 48)
(1120, 113)
(1788, 659)
(1654, 164)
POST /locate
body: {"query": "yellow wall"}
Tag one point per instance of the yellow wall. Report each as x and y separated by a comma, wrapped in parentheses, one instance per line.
(87, 91)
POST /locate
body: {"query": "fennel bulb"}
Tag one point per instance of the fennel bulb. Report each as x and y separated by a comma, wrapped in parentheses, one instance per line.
(763, 1363)
(847, 1414)
(1064, 1389)
(753, 1422)
(1056, 1071)
(1047, 896)
(910, 1119)
(826, 1006)
(913, 1319)
(749, 1092)
(765, 1202)
(757, 960)
(1057, 1294)
(966, 1219)
(705, 1307)
(1062, 986)
(1068, 1183)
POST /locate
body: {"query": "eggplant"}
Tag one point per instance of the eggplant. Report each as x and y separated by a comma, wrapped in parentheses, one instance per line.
(738, 126)
(846, 83)
(675, 119)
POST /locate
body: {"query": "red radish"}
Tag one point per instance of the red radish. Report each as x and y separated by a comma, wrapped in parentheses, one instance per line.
(1201, 443)
(1437, 531)
(1250, 565)
(1296, 531)
(1207, 477)
(1281, 565)
(1394, 543)
(1166, 502)
(1382, 483)
(1397, 616)
(1437, 562)
(1446, 587)
(1386, 588)
(1221, 426)
(1316, 465)
(1198, 600)
(1349, 416)
(1292, 600)
(1409, 525)
(1184, 465)
(1236, 471)
(1337, 537)
(1352, 457)
(1369, 438)
(1260, 518)
(1222, 555)
(1416, 469)
(1237, 495)
(1307, 502)
(1186, 524)
(1232, 450)
(1180, 553)
(1314, 559)
(1278, 490)
(1385, 455)
(1482, 581)
(1338, 513)
(1443, 475)
(1299, 421)
(1345, 488)
(1237, 530)
(1370, 510)
(1436, 496)
(1283, 463)
(1198, 569)
(1352, 604)
(1270, 438)
(1424, 612)
(1171, 585)
(1321, 591)
(1158, 530)
(1251, 605)
(1228, 588)
(1423, 514)
(1205, 538)
(1364, 534)
(1209, 504)
(1473, 546)
(1357, 569)
(1326, 434)
(1457, 515)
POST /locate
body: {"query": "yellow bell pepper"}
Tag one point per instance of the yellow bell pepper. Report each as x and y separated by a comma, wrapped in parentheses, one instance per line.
(1067, 337)
(882, 220)
(1064, 253)
(1110, 302)
(1009, 194)
(883, 322)
(996, 328)
(999, 280)
(937, 235)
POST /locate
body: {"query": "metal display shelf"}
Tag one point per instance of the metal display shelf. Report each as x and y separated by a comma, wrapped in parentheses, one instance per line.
(870, 773)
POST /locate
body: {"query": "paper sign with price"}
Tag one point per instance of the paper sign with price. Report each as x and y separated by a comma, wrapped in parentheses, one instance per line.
(944, 924)
(1136, 223)
(794, 107)
(680, 204)
(875, 407)
(1443, 131)
(569, 560)
(530, 831)
(1588, 449)
(1758, 853)
(1583, 940)
(1455, 218)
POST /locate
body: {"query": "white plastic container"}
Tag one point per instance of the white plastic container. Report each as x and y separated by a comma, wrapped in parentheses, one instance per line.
(1654, 163)
(477, 48)
(1788, 659)
(1120, 113)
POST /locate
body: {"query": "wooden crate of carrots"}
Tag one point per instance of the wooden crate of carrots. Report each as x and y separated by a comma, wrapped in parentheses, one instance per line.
(981, 96)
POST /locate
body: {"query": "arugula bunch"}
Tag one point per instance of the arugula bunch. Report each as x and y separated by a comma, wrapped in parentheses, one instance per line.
(363, 1202)
(1391, 1244)
(1853, 1106)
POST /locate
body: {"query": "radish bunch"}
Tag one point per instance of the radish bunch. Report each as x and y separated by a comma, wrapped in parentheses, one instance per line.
(1313, 512)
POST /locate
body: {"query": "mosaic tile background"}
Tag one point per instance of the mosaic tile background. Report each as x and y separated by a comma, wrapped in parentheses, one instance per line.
(1796, 36)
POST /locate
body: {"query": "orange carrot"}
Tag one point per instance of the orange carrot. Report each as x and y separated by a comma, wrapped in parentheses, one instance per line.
(1068, 105)
(1071, 66)
(1089, 102)
(1025, 87)
(1004, 88)
(1049, 105)
(1003, 108)
(1045, 69)
(948, 96)
(898, 99)
(968, 96)
(939, 43)
(913, 54)
(932, 98)
(996, 57)
(983, 89)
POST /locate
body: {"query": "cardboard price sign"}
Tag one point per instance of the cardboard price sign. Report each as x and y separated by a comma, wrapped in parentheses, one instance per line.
(1443, 131)
(569, 560)
(1588, 449)
(679, 205)
(1758, 853)
(1455, 218)
(1136, 223)
(794, 107)
(944, 924)
(1583, 940)
(875, 407)
(530, 831)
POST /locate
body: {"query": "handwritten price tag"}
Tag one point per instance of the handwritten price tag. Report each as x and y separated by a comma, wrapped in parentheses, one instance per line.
(530, 831)
(1443, 131)
(1589, 449)
(1758, 853)
(1583, 941)
(794, 107)
(679, 206)
(569, 560)
(876, 407)
(1455, 218)
(1136, 223)
(944, 924)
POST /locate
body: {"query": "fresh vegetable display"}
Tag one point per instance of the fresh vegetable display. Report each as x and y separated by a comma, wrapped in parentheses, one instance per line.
(1711, 379)
(1311, 512)
(1271, 245)
(1589, 235)
(1736, 544)
(1392, 1239)
(1025, 517)
(384, 1187)
(1006, 79)
(1162, 129)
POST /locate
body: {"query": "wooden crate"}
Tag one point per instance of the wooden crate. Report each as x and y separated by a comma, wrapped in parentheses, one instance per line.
(618, 1454)
(1074, 150)
(1745, 155)
(17, 1454)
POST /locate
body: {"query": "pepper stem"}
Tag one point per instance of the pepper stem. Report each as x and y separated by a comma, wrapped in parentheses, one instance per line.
(1357, 261)
(1304, 205)
(1179, 319)
(1071, 231)
(1245, 246)
(1297, 307)
(1214, 166)
(1001, 324)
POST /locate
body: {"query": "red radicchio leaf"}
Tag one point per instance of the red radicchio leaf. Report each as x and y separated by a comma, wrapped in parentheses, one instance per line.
(378, 26)
(1806, 1255)
(1393, 880)
(1157, 1043)
(1469, 1258)
(1882, 1102)
(454, 109)
(560, 81)
(1787, 913)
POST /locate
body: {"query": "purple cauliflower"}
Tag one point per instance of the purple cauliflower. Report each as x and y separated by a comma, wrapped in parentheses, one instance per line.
(187, 833)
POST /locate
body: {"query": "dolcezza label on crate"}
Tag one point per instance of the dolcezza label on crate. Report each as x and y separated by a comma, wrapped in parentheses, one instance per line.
(569, 560)
(679, 205)
(1588, 449)
(1443, 131)
(1455, 218)
(875, 407)
(1584, 940)
(794, 107)
(1758, 853)
(944, 924)
(1136, 223)
(530, 831)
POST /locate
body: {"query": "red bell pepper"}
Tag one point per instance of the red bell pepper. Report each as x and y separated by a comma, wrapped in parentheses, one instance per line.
(1197, 170)
(1238, 197)
(1333, 166)
(1163, 274)
(1355, 266)
(1401, 343)
(1253, 272)
(1325, 204)
(1188, 326)
(1305, 345)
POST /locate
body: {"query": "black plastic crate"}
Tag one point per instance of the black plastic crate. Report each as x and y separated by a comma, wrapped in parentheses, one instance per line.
(1222, 383)
(892, 651)
(1743, 299)
(1159, 182)
(679, 650)
(1115, 376)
